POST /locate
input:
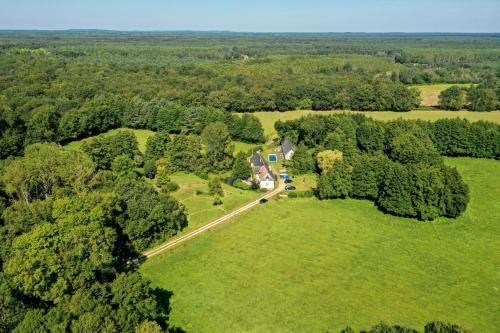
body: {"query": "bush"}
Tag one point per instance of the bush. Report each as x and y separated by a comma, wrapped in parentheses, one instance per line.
(215, 187)
(301, 194)
(217, 201)
(150, 169)
(170, 186)
(241, 185)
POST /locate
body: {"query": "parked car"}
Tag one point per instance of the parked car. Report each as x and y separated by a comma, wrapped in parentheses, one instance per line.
(290, 188)
(263, 201)
(288, 181)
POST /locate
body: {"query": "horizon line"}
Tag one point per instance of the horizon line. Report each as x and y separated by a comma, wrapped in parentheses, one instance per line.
(242, 31)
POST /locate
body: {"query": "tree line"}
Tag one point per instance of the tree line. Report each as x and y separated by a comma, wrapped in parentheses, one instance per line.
(100, 114)
(397, 164)
(432, 327)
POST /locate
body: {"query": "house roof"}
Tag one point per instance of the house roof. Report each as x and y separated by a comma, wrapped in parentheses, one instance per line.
(260, 167)
(257, 160)
(287, 146)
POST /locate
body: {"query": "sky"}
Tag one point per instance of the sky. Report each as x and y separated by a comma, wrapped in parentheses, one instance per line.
(255, 15)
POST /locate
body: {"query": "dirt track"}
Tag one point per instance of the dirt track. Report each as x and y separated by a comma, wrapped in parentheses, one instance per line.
(174, 242)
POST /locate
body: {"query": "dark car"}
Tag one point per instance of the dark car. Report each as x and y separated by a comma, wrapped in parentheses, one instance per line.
(263, 201)
(288, 181)
(290, 188)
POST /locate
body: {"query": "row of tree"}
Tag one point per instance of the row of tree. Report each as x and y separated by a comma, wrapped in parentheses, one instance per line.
(356, 133)
(432, 327)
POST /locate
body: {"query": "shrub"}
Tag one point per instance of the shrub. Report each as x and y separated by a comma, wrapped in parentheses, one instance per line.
(150, 169)
(215, 187)
(241, 185)
(217, 201)
(301, 194)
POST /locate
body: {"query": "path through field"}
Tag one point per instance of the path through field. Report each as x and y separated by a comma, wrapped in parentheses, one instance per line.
(172, 243)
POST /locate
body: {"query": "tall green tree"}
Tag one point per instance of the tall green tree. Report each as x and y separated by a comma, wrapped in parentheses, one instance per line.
(302, 161)
(370, 136)
(452, 98)
(46, 169)
(241, 167)
(54, 259)
(184, 153)
(336, 182)
(408, 149)
(218, 147)
(156, 146)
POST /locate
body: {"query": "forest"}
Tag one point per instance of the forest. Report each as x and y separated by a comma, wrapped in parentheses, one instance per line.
(72, 222)
(61, 86)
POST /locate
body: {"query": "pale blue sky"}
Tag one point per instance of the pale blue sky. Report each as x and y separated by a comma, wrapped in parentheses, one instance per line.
(255, 15)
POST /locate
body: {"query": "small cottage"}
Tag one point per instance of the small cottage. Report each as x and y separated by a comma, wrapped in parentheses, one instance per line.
(288, 149)
(263, 173)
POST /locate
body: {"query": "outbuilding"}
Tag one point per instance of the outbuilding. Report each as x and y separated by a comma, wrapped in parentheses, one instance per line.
(288, 148)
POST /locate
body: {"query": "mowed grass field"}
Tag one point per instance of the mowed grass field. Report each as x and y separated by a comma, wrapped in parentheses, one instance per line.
(200, 205)
(269, 118)
(303, 265)
(430, 93)
(141, 135)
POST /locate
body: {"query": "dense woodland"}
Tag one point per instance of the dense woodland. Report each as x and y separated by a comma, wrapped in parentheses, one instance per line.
(62, 86)
(397, 164)
(70, 221)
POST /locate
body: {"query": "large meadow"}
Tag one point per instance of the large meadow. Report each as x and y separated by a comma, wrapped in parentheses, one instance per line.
(303, 265)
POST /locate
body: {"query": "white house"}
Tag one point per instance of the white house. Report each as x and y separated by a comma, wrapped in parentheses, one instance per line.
(288, 149)
(263, 174)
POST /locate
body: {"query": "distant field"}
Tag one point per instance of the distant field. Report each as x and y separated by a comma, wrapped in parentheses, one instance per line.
(430, 93)
(303, 265)
(141, 135)
(269, 118)
(200, 206)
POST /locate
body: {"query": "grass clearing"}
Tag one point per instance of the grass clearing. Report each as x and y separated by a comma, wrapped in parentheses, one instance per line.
(200, 206)
(244, 147)
(430, 92)
(305, 182)
(303, 265)
(269, 118)
(141, 135)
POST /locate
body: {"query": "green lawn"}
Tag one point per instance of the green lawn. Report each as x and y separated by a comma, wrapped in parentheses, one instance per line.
(244, 147)
(200, 206)
(269, 118)
(301, 265)
(141, 135)
(304, 182)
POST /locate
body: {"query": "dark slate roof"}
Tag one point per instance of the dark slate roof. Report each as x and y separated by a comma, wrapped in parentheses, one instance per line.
(287, 146)
(258, 161)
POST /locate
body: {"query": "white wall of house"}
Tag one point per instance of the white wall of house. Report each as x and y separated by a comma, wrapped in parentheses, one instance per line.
(267, 184)
(289, 155)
